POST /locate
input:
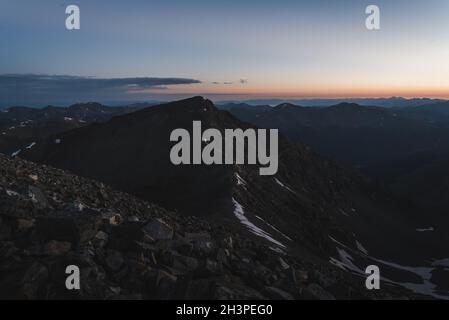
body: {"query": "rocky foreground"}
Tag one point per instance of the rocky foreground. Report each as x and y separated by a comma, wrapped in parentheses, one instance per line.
(127, 248)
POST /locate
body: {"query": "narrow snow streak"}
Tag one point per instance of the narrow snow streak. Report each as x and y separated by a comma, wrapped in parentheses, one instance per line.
(361, 248)
(31, 145)
(240, 214)
(283, 185)
(274, 228)
(240, 180)
(16, 153)
(425, 229)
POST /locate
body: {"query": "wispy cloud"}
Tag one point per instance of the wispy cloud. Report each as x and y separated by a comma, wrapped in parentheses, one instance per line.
(225, 82)
(32, 88)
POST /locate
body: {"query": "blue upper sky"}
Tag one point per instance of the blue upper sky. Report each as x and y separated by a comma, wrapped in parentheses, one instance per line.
(233, 48)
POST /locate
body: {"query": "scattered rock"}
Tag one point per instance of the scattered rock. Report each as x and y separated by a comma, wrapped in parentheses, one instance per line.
(38, 197)
(323, 280)
(185, 263)
(158, 229)
(222, 256)
(166, 285)
(300, 276)
(116, 219)
(277, 294)
(211, 267)
(114, 260)
(202, 243)
(316, 292)
(102, 236)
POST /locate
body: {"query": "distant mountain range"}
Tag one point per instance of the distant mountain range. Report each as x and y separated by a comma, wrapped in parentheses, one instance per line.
(380, 102)
(22, 126)
(309, 102)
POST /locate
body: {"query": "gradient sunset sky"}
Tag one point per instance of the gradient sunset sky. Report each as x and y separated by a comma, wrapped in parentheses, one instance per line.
(230, 49)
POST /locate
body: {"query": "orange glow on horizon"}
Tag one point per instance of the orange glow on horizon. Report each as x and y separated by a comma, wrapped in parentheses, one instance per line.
(255, 92)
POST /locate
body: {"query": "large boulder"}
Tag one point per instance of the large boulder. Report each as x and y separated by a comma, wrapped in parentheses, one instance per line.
(158, 229)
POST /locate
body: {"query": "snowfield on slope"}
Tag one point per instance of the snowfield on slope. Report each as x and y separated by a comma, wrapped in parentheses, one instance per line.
(240, 214)
(347, 262)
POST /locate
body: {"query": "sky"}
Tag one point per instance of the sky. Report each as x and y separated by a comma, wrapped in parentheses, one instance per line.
(140, 50)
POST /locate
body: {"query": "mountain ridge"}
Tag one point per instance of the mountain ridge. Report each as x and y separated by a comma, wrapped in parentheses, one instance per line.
(312, 208)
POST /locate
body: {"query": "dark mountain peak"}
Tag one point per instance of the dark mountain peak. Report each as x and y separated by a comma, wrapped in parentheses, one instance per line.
(195, 98)
(132, 153)
(136, 147)
(194, 104)
(193, 101)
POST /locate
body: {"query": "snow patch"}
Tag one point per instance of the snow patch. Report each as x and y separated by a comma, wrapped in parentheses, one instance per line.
(11, 193)
(16, 153)
(240, 180)
(32, 144)
(430, 229)
(240, 214)
(283, 185)
(277, 249)
(79, 206)
(441, 263)
(25, 123)
(346, 262)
